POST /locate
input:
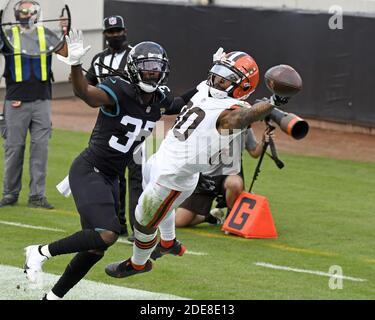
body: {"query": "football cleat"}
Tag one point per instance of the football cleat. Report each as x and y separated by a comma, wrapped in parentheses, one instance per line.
(218, 214)
(125, 269)
(33, 263)
(178, 249)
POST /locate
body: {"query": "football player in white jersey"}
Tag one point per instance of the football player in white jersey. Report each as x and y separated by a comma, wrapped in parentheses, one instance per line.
(215, 116)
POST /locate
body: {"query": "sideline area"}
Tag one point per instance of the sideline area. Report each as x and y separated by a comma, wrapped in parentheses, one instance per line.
(15, 286)
(73, 114)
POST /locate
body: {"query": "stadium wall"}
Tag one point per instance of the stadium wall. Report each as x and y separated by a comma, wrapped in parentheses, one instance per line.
(351, 7)
(334, 63)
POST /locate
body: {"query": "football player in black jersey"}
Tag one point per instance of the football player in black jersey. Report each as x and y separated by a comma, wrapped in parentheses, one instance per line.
(114, 56)
(129, 111)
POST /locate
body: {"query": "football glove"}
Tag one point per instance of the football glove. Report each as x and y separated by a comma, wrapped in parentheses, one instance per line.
(206, 185)
(76, 51)
(218, 54)
(278, 101)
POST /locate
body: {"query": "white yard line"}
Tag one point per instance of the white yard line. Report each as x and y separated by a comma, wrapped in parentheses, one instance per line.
(193, 253)
(27, 226)
(318, 273)
(15, 286)
(121, 240)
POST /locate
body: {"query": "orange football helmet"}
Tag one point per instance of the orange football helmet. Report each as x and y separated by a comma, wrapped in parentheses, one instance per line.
(240, 69)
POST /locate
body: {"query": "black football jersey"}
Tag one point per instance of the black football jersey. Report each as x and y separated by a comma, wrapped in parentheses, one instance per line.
(117, 134)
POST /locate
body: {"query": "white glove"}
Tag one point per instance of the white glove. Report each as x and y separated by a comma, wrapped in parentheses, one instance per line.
(76, 51)
(218, 54)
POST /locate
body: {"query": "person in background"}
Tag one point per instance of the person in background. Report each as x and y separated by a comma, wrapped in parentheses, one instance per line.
(27, 104)
(224, 188)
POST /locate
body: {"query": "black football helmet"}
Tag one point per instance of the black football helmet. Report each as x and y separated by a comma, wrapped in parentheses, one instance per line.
(148, 66)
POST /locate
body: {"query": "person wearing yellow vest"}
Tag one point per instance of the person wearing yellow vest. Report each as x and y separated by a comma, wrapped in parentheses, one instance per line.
(27, 103)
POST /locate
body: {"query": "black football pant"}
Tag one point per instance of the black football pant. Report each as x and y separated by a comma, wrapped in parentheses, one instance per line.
(95, 195)
(135, 191)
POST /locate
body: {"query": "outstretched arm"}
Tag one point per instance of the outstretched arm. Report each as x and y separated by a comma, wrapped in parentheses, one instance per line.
(241, 117)
(93, 96)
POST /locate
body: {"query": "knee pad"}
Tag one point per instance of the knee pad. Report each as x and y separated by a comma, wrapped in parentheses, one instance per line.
(109, 237)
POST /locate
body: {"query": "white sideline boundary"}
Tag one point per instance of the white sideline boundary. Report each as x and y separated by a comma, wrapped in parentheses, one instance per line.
(27, 226)
(318, 273)
(193, 253)
(120, 240)
(15, 286)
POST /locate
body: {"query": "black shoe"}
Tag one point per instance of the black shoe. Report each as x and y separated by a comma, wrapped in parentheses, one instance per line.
(124, 231)
(178, 249)
(125, 269)
(8, 201)
(39, 202)
(131, 238)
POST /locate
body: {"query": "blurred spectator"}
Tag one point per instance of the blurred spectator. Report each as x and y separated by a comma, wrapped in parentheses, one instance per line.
(225, 189)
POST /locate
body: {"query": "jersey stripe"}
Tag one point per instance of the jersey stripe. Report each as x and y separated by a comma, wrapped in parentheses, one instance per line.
(114, 97)
(163, 209)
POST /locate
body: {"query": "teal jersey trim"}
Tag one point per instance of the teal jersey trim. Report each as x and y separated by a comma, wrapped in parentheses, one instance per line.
(114, 97)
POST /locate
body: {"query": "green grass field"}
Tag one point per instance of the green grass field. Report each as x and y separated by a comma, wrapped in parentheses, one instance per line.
(323, 210)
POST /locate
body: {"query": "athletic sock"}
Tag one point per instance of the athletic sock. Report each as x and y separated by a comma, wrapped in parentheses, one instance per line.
(143, 246)
(74, 272)
(137, 267)
(84, 240)
(167, 227)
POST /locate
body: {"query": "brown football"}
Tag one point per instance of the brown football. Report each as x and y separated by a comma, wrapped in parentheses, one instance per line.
(283, 80)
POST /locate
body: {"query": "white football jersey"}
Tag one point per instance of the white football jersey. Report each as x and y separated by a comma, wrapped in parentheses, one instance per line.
(193, 144)
(231, 157)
